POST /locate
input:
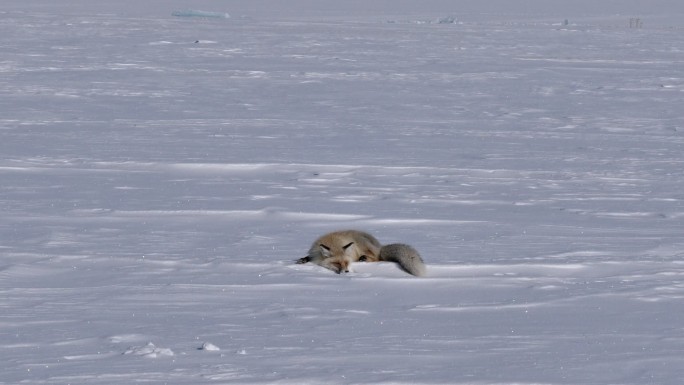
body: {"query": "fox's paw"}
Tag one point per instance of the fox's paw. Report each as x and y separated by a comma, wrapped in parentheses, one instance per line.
(304, 260)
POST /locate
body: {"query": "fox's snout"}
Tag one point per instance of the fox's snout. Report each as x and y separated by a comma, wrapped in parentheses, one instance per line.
(342, 266)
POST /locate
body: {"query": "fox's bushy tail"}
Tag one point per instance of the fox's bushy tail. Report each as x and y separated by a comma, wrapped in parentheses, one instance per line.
(405, 256)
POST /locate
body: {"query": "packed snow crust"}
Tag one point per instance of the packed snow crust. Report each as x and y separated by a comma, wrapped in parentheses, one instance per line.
(160, 175)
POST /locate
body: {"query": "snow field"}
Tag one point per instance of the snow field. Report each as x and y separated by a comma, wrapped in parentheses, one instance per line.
(159, 176)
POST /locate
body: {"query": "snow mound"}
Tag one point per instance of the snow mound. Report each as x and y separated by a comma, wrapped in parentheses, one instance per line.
(447, 20)
(149, 351)
(208, 346)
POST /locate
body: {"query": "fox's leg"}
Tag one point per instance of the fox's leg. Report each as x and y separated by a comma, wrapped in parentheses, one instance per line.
(368, 258)
(304, 260)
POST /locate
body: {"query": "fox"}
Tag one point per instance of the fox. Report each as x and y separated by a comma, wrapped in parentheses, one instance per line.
(337, 250)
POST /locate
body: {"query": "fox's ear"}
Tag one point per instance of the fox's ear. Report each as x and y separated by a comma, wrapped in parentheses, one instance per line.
(347, 245)
(325, 250)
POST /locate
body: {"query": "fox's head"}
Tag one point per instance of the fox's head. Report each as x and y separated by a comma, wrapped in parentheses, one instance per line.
(338, 256)
(337, 250)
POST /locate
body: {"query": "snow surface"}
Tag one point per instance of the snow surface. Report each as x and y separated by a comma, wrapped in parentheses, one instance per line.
(159, 176)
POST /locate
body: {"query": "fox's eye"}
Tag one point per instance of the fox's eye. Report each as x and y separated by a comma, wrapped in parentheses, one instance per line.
(347, 245)
(363, 258)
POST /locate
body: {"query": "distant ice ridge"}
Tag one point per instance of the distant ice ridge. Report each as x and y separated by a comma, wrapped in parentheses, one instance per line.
(447, 20)
(149, 350)
(198, 13)
(441, 20)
